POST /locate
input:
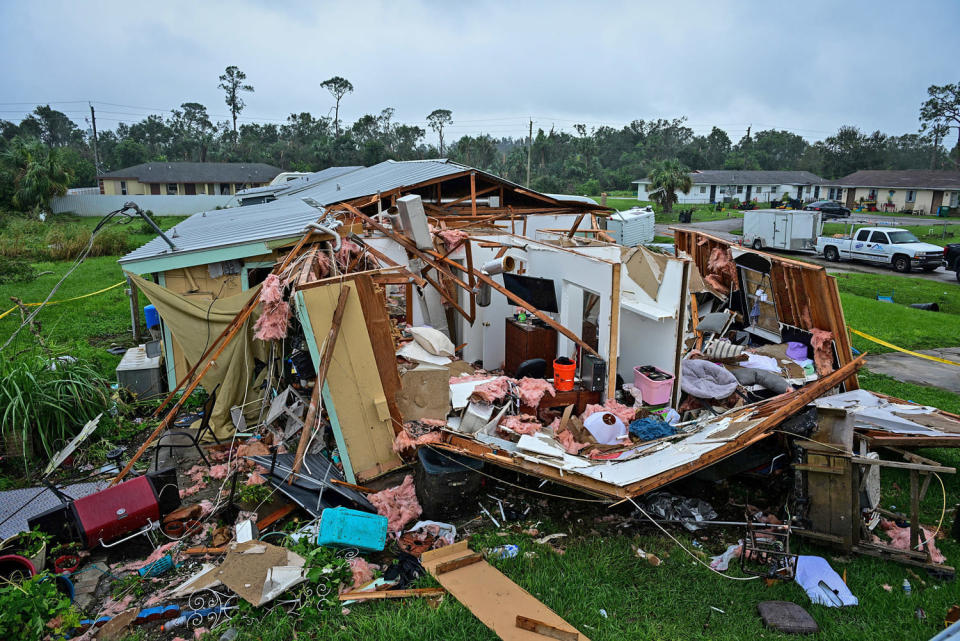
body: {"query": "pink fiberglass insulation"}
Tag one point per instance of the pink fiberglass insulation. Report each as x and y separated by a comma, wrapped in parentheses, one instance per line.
(533, 389)
(255, 479)
(404, 443)
(723, 271)
(348, 249)
(822, 351)
(323, 264)
(900, 539)
(219, 471)
(522, 424)
(156, 555)
(452, 238)
(570, 444)
(273, 321)
(399, 504)
(619, 410)
(193, 489)
(492, 390)
(362, 571)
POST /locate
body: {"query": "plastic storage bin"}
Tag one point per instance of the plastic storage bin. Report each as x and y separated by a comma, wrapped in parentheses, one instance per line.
(344, 527)
(151, 316)
(445, 483)
(653, 392)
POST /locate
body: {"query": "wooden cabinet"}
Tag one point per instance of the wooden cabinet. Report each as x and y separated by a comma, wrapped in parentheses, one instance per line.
(524, 341)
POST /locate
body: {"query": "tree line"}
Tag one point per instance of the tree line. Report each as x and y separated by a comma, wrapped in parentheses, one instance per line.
(48, 146)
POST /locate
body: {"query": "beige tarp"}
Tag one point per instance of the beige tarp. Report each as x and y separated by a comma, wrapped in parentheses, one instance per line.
(186, 318)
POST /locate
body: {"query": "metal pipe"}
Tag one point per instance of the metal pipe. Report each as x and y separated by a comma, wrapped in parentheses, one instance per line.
(136, 208)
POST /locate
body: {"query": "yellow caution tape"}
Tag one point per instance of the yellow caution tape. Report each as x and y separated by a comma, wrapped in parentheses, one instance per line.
(67, 300)
(900, 349)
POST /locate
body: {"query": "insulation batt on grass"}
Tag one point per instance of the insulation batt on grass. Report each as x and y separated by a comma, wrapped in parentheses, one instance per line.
(399, 504)
(273, 322)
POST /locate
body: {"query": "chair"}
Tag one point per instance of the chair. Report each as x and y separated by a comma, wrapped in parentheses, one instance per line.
(532, 368)
(194, 438)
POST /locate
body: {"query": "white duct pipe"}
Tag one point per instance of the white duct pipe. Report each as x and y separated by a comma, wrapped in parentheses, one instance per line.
(499, 266)
(328, 230)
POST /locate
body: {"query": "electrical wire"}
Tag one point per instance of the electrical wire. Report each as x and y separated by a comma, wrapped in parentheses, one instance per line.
(519, 487)
(694, 556)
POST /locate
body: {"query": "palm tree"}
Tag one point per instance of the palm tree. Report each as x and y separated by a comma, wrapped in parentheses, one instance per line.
(40, 173)
(666, 178)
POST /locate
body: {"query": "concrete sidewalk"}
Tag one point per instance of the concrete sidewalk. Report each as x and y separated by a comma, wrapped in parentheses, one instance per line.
(910, 369)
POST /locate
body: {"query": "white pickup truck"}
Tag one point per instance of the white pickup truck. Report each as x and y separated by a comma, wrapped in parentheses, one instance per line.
(883, 245)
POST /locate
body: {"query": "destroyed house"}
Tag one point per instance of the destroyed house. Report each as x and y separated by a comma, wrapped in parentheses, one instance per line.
(224, 253)
(514, 333)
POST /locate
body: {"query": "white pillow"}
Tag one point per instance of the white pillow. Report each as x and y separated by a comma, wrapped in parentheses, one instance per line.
(433, 340)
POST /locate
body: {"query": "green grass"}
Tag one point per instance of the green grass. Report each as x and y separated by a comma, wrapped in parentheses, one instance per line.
(82, 328)
(896, 323)
(922, 232)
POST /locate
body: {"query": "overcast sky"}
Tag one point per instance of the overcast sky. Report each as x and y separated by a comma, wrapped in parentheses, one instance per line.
(808, 67)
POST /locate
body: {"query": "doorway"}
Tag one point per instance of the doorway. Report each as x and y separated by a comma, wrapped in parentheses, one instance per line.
(713, 194)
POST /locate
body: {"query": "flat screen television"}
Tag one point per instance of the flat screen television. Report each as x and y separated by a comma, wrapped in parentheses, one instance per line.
(539, 292)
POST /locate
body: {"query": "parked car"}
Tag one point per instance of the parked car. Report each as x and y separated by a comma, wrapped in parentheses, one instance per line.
(951, 255)
(883, 245)
(828, 209)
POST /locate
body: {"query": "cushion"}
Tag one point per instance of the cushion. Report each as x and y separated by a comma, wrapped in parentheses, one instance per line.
(704, 379)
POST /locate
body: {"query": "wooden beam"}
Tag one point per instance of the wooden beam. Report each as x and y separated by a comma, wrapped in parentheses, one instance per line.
(576, 223)
(391, 594)
(456, 564)
(613, 357)
(545, 629)
(473, 193)
(461, 199)
(325, 361)
(905, 465)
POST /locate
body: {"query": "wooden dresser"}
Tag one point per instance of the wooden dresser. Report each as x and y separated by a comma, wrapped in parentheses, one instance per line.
(524, 341)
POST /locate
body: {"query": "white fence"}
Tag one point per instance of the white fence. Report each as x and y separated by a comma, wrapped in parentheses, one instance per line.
(98, 205)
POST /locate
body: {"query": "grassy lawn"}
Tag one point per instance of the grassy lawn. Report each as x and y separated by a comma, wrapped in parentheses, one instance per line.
(901, 325)
(933, 234)
(83, 328)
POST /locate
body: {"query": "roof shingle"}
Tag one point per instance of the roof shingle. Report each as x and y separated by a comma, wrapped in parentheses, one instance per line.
(198, 172)
(904, 179)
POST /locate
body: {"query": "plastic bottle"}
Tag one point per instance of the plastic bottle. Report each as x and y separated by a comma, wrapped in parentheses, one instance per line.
(907, 588)
(502, 552)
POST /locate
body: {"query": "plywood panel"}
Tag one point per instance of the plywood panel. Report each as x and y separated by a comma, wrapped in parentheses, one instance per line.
(492, 597)
(363, 422)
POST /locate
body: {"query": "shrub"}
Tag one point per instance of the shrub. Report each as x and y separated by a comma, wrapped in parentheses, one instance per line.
(44, 402)
(64, 242)
(111, 242)
(16, 270)
(28, 606)
(21, 238)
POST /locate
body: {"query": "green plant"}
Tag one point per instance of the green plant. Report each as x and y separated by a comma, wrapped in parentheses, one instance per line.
(30, 543)
(133, 585)
(45, 401)
(16, 270)
(666, 179)
(34, 609)
(253, 494)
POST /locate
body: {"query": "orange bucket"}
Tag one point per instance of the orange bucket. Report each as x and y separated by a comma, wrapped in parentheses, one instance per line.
(563, 375)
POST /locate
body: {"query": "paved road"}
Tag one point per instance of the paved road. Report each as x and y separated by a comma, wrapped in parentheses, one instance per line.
(723, 227)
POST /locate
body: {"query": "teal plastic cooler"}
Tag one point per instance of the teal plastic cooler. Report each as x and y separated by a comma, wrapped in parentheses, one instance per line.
(344, 527)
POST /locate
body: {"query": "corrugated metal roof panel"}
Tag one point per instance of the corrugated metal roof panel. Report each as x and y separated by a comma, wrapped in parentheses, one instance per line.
(288, 214)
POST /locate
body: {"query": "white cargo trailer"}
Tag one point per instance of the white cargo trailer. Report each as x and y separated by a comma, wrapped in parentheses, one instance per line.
(781, 229)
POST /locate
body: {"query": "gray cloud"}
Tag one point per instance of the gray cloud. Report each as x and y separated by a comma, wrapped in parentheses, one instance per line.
(808, 67)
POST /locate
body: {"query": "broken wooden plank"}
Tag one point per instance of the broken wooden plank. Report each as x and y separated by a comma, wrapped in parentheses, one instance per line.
(493, 598)
(545, 629)
(391, 594)
(456, 564)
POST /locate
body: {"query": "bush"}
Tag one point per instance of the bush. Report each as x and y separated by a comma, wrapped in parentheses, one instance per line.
(28, 606)
(111, 242)
(16, 270)
(21, 238)
(65, 242)
(44, 402)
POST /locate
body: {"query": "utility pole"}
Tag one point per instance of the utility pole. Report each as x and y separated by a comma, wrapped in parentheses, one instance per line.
(529, 151)
(96, 155)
